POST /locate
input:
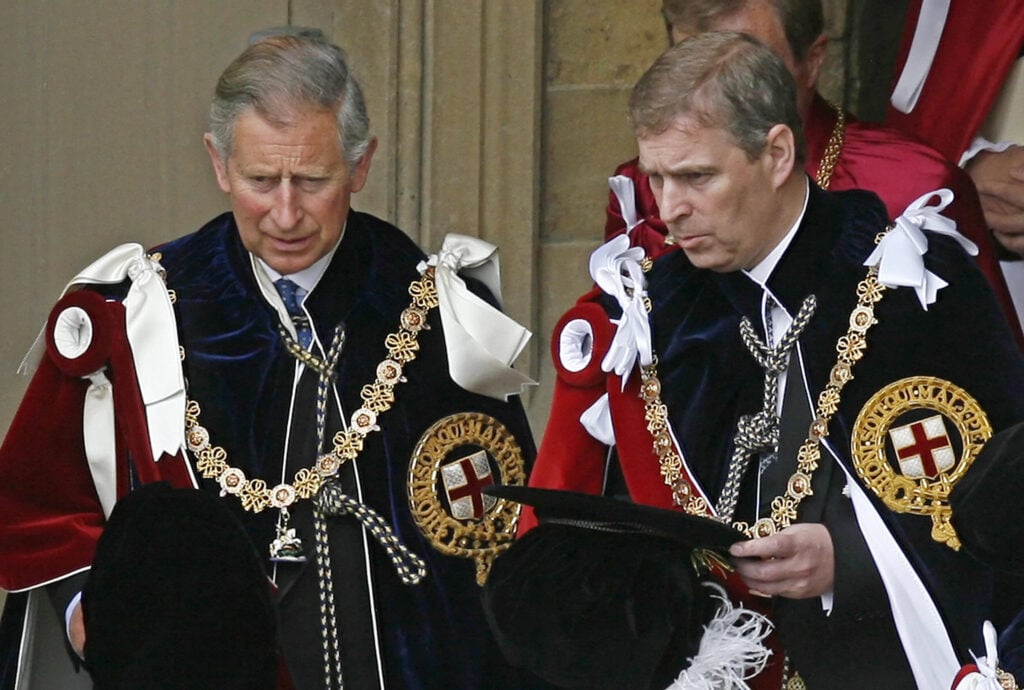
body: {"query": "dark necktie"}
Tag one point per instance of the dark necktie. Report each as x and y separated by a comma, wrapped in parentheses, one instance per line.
(291, 295)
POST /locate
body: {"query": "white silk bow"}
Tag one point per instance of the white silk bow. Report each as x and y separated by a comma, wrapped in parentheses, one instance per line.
(615, 267)
(899, 256)
(986, 677)
(481, 341)
(625, 193)
(152, 336)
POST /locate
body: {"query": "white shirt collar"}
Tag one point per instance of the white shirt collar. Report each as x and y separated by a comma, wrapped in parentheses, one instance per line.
(308, 277)
(763, 270)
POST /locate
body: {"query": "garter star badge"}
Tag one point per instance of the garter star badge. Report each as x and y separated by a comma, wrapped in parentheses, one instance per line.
(913, 441)
(454, 460)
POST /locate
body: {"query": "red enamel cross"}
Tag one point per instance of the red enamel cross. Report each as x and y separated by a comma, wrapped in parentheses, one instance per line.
(924, 446)
(473, 487)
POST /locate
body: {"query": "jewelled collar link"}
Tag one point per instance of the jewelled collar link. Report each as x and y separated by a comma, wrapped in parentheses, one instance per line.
(378, 397)
(849, 348)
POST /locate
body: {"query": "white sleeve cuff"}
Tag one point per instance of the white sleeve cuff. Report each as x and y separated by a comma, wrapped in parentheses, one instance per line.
(75, 601)
(982, 144)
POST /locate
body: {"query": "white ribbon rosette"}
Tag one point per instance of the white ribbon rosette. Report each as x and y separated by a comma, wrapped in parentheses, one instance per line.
(900, 255)
(482, 342)
(615, 268)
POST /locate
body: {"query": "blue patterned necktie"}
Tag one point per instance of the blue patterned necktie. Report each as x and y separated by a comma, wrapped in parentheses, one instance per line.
(291, 295)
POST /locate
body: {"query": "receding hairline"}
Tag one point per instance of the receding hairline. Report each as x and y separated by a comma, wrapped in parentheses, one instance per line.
(284, 76)
(726, 80)
(699, 105)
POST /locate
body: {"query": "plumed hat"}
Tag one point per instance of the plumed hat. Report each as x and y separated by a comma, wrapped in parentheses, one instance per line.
(602, 594)
(177, 598)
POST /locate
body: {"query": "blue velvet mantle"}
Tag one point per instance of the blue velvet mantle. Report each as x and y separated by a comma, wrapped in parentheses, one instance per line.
(434, 634)
(709, 380)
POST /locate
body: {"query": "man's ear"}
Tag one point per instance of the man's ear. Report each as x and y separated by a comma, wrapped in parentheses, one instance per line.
(780, 153)
(810, 67)
(220, 167)
(362, 169)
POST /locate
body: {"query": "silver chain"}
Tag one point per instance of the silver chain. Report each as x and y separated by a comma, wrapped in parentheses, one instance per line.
(328, 615)
(759, 433)
(325, 583)
(331, 501)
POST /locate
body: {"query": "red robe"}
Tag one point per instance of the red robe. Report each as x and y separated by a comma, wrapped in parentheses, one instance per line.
(883, 160)
(979, 44)
(44, 477)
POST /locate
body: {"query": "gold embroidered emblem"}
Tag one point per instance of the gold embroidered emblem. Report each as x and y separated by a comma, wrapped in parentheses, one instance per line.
(453, 462)
(913, 441)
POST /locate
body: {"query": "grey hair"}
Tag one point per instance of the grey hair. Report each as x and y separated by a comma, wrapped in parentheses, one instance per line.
(802, 20)
(721, 79)
(284, 72)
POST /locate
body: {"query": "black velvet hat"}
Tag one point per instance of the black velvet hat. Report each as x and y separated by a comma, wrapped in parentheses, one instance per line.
(177, 598)
(602, 594)
(986, 503)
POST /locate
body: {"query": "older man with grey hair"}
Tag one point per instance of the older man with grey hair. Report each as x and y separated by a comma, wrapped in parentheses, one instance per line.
(798, 368)
(296, 361)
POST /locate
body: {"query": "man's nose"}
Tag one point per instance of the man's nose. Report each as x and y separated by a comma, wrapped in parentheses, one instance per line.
(674, 203)
(286, 212)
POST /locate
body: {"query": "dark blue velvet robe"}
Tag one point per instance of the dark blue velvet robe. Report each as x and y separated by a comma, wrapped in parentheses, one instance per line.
(962, 338)
(432, 635)
(709, 379)
(429, 636)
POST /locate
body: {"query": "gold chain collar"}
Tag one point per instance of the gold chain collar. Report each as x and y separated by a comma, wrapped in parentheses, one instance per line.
(378, 398)
(849, 348)
(833, 148)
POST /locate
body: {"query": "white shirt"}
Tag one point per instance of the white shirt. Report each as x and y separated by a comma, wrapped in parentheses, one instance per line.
(781, 319)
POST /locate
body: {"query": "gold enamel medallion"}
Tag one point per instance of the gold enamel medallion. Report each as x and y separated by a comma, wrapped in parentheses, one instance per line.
(913, 441)
(454, 461)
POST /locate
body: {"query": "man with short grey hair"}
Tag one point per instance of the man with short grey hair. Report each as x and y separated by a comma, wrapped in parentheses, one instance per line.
(798, 368)
(315, 370)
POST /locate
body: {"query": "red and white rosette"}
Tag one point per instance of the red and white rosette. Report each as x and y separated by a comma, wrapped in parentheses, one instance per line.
(152, 334)
(579, 344)
(79, 335)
